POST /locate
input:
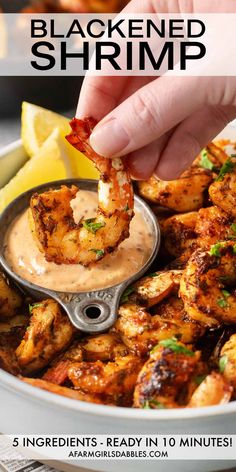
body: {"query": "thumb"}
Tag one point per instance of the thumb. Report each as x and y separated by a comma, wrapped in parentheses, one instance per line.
(149, 113)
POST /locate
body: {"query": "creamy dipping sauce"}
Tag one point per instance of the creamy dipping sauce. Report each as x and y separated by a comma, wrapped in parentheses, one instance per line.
(26, 260)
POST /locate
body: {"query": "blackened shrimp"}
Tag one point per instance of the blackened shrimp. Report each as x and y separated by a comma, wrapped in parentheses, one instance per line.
(178, 233)
(114, 379)
(207, 286)
(181, 195)
(213, 390)
(223, 191)
(48, 333)
(227, 361)
(164, 379)
(60, 238)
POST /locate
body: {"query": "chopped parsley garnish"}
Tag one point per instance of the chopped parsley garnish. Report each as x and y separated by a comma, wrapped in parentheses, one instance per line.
(205, 161)
(35, 305)
(92, 226)
(227, 168)
(198, 379)
(222, 363)
(222, 303)
(126, 207)
(233, 227)
(99, 252)
(126, 294)
(153, 404)
(232, 231)
(153, 274)
(224, 278)
(234, 249)
(215, 250)
(172, 343)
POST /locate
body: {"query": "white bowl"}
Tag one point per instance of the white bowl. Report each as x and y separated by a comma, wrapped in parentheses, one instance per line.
(25, 409)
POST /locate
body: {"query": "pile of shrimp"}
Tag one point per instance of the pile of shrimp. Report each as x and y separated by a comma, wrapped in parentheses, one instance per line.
(74, 6)
(174, 342)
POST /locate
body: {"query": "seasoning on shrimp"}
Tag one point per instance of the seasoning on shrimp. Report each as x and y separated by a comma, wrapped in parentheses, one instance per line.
(207, 282)
(59, 237)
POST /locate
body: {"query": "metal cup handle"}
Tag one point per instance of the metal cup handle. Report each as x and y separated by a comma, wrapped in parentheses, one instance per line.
(92, 312)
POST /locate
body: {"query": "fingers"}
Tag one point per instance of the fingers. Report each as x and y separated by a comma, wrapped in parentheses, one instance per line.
(143, 162)
(190, 137)
(99, 95)
(149, 113)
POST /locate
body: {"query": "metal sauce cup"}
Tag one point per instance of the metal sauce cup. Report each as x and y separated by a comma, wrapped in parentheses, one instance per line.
(93, 311)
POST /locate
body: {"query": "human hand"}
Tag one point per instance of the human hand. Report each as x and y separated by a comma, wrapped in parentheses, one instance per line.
(159, 124)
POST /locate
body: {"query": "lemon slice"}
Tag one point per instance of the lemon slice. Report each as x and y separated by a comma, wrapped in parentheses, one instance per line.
(37, 124)
(81, 166)
(50, 163)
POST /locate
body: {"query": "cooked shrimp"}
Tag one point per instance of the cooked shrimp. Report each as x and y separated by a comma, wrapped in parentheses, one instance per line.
(11, 332)
(64, 241)
(178, 233)
(8, 361)
(182, 195)
(213, 154)
(228, 360)
(213, 225)
(228, 146)
(164, 378)
(64, 391)
(223, 191)
(10, 298)
(115, 379)
(103, 347)
(58, 369)
(207, 285)
(85, 6)
(140, 330)
(150, 290)
(213, 390)
(49, 332)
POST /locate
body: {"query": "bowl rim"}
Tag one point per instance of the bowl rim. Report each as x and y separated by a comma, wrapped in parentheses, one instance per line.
(58, 401)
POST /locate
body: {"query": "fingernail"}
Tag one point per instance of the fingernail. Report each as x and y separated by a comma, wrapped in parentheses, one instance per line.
(109, 139)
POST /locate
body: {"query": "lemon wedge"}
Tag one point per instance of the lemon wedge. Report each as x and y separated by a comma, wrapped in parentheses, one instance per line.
(37, 124)
(50, 163)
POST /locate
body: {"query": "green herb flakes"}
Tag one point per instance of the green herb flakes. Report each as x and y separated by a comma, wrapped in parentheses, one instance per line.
(222, 303)
(205, 161)
(222, 363)
(215, 250)
(153, 404)
(35, 305)
(99, 252)
(92, 226)
(172, 343)
(227, 168)
(126, 294)
(198, 379)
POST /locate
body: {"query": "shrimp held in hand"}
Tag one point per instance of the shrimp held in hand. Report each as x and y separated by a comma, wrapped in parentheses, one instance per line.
(60, 238)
